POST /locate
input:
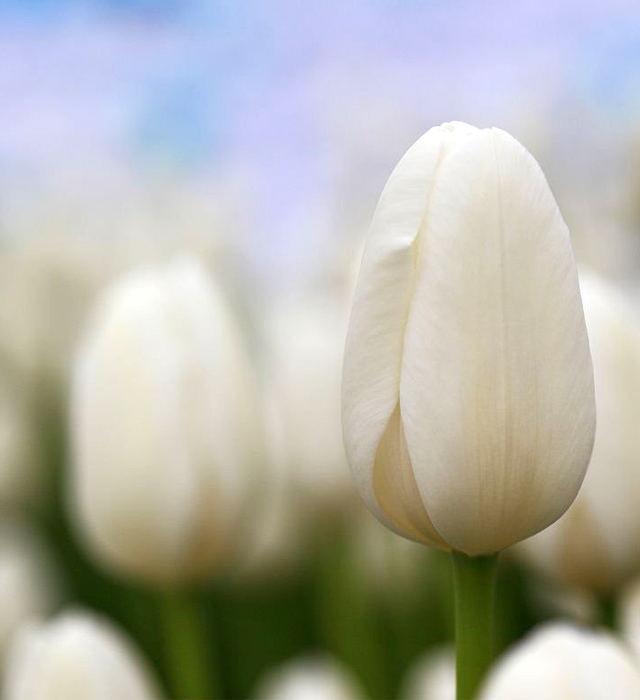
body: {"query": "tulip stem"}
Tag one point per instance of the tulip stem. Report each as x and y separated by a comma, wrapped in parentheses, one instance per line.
(474, 586)
(187, 647)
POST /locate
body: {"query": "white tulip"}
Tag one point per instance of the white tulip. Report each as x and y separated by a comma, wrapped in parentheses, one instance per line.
(304, 371)
(468, 408)
(164, 426)
(309, 679)
(307, 477)
(76, 657)
(29, 588)
(46, 288)
(560, 662)
(596, 544)
(433, 678)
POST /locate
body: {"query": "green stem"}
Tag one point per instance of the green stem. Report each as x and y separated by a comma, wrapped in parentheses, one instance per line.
(187, 648)
(474, 585)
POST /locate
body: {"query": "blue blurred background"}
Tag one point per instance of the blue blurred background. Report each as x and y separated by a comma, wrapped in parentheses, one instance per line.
(288, 116)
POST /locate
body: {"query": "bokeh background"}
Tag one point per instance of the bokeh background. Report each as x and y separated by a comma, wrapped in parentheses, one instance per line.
(258, 136)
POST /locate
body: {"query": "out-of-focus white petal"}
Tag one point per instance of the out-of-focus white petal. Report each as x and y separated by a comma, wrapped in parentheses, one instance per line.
(163, 423)
(560, 662)
(496, 393)
(76, 657)
(596, 543)
(310, 679)
(373, 356)
(304, 367)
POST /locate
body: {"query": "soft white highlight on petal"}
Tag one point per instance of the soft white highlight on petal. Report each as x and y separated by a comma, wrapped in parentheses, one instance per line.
(496, 392)
(164, 425)
(596, 544)
(560, 662)
(76, 657)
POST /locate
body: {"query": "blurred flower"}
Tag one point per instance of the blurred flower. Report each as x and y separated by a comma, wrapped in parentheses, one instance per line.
(164, 423)
(468, 405)
(307, 481)
(596, 544)
(46, 287)
(306, 345)
(309, 679)
(432, 678)
(77, 656)
(558, 662)
(29, 587)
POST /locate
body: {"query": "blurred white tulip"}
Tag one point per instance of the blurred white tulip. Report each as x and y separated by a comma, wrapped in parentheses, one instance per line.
(274, 540)
(46, 287)
(77, 656)
(468, 406)
(303, 374)
(561, 662)
(164, 426)
(309, 679)
(596, 544)
(29, 586)
(432, 678)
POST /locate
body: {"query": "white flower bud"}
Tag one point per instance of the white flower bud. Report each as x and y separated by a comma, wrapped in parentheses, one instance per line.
(76, 657)
(164, 426)
(560, 662)
(468, 408)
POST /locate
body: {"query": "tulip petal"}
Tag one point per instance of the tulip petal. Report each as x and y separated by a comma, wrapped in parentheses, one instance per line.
(497, 387)
(561, 661)
(396, 489)
(373, 355)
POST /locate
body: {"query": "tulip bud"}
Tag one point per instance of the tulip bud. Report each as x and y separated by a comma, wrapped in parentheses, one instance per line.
(46, 286)
(596, 544)
(433, 678)
(558, 662)
(311, 679)
(468, 408)
(164, 426)
(76, 657)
